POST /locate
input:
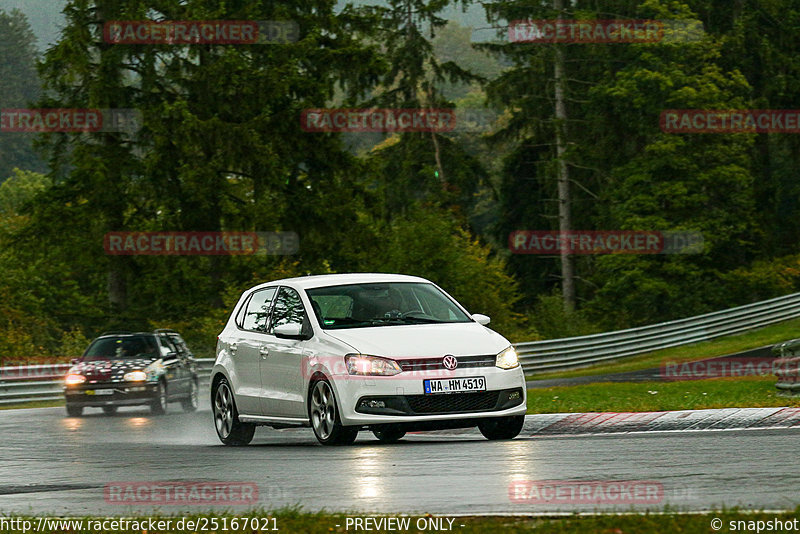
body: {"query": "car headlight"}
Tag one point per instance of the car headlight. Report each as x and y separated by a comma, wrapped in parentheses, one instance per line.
(135, 376)
(507, 359)
(73, 379)
(361, 364)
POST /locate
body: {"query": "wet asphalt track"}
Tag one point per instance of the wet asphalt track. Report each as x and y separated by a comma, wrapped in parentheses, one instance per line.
(53, 464)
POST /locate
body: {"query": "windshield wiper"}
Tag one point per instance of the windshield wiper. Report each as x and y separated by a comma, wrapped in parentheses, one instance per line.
(345, 322)
(424, 320)
(405, 320)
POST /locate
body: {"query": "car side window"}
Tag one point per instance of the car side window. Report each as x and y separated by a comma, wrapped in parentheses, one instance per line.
(288, 309)
(179, 344)
(240, 314)
(258, 308)
(165, 346)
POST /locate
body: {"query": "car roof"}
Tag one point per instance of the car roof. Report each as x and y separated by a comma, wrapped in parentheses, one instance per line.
(324, 280)
(126, 333)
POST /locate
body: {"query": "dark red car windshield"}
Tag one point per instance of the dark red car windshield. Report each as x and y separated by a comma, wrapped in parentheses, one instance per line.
(121, 348)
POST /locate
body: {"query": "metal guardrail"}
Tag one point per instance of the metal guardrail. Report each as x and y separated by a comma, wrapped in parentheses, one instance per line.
(44, 382)
(562, 354)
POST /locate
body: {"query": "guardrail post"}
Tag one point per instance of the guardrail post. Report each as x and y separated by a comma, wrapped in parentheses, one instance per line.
(785, 367)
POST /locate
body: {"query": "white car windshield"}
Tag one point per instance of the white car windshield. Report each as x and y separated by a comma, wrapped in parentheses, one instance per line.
(383, 304)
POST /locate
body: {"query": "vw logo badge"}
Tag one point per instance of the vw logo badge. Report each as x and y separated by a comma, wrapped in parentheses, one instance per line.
(450, 362)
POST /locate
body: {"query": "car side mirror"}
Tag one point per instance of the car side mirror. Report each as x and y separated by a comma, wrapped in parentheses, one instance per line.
(168, 357)
(481, 319)
(289, 331)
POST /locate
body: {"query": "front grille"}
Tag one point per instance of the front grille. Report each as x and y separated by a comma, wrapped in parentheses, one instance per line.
(453, 403)
(433, 364)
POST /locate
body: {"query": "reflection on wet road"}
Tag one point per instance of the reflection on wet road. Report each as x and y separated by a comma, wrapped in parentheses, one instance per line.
(61, 465)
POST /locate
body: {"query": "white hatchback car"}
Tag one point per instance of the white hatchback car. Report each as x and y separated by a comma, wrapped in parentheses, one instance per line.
(346, 352)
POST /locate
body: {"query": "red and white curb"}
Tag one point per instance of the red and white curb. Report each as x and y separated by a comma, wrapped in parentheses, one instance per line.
(615, 422)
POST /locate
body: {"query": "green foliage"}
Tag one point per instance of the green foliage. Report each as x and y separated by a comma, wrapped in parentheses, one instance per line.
(36, 302)
(668, 182)
(762, 280)
(19, 86)
(73, 344)
(20, 189)
(552, 321)
(409, 174)
(221, 148)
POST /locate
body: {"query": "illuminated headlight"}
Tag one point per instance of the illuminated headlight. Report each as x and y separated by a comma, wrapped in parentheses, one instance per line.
(135, 376)
(74, 379)
(361, 364)
(507, 359)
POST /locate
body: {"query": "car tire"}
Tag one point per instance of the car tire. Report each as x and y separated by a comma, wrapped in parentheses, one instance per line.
(389, 434)
(158, 406)
(109, 410)
(230, 430)
(324, 414)
(74, 411)
(502, 427)
(190, 403)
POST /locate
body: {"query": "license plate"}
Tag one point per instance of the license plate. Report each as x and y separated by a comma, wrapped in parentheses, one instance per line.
(454, 385)
(99, 391)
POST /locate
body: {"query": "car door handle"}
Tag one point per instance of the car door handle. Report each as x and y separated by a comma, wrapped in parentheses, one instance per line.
(264, 352)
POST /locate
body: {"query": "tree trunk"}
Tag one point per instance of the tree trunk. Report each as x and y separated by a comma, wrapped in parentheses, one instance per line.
(564, 200)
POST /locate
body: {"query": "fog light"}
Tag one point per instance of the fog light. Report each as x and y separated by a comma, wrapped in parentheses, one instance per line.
(373, 404)
(513, 395)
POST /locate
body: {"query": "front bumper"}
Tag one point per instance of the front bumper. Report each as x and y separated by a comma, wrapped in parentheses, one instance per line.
(401, 398)
(455, 403)
(123, 394)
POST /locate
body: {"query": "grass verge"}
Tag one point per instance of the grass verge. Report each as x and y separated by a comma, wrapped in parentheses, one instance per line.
(313, 523)
(755, 392)
(769, 335)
